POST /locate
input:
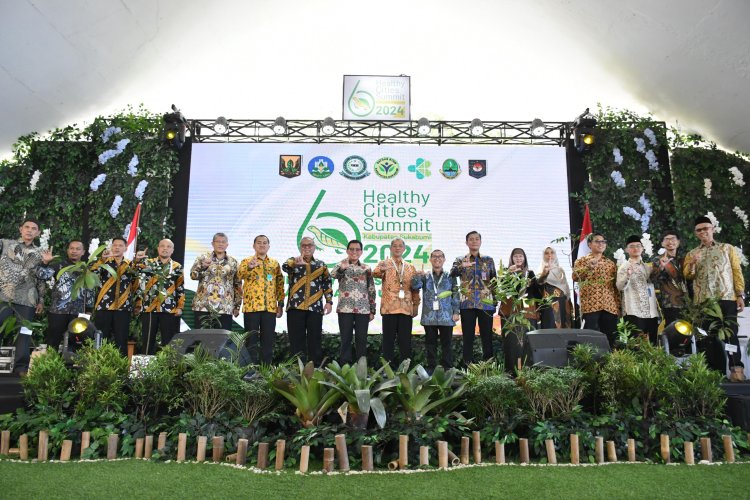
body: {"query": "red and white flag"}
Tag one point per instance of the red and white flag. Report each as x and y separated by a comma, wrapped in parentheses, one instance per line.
(132, 236)
(583, 245)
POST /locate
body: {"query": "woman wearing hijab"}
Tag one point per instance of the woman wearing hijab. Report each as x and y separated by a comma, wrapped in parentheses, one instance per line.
(553, 286)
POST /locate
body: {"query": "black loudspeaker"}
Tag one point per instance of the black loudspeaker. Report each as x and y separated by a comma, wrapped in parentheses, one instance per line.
(552, 347)
(738, 411)
(216, 342)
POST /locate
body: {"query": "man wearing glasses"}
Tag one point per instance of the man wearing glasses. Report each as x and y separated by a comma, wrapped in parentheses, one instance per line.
(600, 300)
(356, 306)
(714, 269)
(666, 274)
(309, 287)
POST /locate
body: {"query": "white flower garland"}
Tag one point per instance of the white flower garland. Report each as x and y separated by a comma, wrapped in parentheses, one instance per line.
(653, 163)
(707, 188)
(650, 135)
(114, 210)
(640, 145)
(44, 239)
(617, 155)
(618, 178)
(140, 189)
(109, 132)
(741, 215)
(648, 246)
(34, 180)
(737, 177)
(132, 170)
(97, 182)
(619, 256)
(93, 245)
(714, 222)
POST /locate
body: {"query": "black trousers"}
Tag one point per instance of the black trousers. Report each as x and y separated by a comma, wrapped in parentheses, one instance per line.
(469, 320)
(649, 326)
(261, 329)
(166, 323)
(353, 325)
(114, 325)
(23, 342)
(716, 356)
(225, 320)
(57, 325)
(602, 321)
(431, 334)
(396, 326)
(305, 335)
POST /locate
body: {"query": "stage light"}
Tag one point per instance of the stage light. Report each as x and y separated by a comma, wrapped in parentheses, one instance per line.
(329, 126)
(584, 133)
(537, 128)
(175, 126)
(476, 128)
(678, 333)
(423, 127)
(79, 329)
(221, 125)
(279, 126)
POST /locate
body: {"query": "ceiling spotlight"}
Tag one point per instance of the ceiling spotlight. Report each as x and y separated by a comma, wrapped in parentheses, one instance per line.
(538, 128)
(584, 133)
(476, 128)
(279, 126)
(423, 127)
(329, 126)
(221, 125)
(175, 128)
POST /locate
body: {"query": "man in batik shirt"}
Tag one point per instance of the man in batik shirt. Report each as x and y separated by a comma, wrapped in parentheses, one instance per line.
(219, 288)
(714, 269)
(116, 299)
(477, 300)
(163, 297)
(21, 293)
(667, 276)
(309, 287)
(399, 303)
(64, 308)
(262, 298)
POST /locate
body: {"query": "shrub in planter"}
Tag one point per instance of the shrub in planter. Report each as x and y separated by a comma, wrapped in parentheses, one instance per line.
(496, 398)
(158, 386)
(211, 384)
(551, 392)
(698, 391)
(254, 398)
(49, 384)
(101, 380)
(304, 389)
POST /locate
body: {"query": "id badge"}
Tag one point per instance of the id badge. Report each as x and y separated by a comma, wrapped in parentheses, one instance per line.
(484, 275)
(435, 305)
(401, 294)
(269, 277)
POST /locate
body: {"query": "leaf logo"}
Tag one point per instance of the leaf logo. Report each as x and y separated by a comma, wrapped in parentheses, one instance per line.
(334, 239)
(360, 103)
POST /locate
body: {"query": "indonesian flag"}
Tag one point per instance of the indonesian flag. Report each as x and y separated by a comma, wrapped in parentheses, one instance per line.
(583, 246)
(132, 235)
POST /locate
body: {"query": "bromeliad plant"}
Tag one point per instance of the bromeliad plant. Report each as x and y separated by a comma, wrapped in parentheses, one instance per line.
(360, 387)
(419, 393)
(306, 391)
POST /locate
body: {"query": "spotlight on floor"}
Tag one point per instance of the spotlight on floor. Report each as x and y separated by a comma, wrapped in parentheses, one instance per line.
(424, 127)
(476, 128)
(537, 128)
(279, 126)
(221, 125)
(328, 127)
(584, 133)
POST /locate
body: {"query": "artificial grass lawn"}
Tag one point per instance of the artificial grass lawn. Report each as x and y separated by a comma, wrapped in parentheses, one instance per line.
(142, 479)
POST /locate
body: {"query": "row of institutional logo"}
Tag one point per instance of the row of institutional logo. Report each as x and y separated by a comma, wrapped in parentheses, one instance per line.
(355, 167)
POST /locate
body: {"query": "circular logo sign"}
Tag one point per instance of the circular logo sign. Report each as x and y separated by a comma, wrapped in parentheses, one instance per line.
(386, 167)
(320, 167)
(354, 167)
(450, 169)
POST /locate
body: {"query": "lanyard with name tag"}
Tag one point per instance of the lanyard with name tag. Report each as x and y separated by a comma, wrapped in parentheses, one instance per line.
(436, 287)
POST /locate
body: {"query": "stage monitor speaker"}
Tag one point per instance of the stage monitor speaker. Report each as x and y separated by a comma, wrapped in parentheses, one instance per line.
(552, 347)
(216, 342)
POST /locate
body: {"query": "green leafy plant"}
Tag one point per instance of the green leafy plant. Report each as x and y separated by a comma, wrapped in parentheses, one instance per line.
(551, 392)
(419, 393)
(211, 384)
(49, 384)
(304, 389)
(102, 376)
(360, 389)
(158, 386)
(87, 278)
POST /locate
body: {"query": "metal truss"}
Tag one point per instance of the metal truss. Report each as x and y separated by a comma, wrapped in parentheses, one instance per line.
(382, 132)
